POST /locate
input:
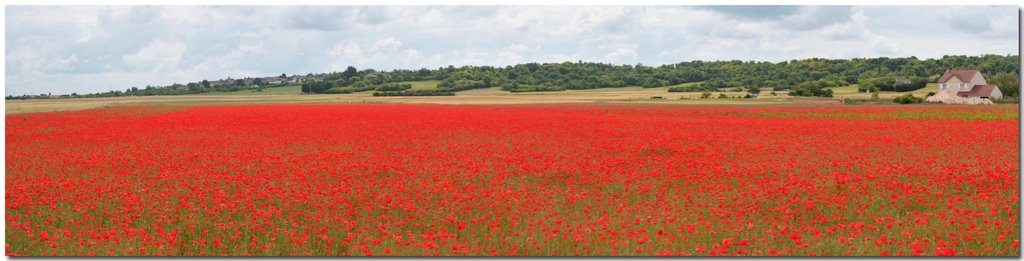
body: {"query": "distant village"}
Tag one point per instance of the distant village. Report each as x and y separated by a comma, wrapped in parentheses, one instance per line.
(252, 82)
(226, 84)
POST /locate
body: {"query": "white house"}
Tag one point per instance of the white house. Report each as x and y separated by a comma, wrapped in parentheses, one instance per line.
(965, 87)
(273, 80)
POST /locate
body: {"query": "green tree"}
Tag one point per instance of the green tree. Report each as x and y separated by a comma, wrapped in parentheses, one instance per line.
(349, 73)
(1009, 84)
(753, 90)
(705, 95)
(908, 99)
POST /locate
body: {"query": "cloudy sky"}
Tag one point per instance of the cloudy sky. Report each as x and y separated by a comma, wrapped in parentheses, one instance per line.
(96, 48)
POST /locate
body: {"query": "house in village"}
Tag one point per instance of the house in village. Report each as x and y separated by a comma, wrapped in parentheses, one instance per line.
(221, 82)
(965, 87)
(273, 80)
(297, 79)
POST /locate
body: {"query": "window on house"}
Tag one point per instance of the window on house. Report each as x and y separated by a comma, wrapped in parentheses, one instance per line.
(944, 86)
(963, 86)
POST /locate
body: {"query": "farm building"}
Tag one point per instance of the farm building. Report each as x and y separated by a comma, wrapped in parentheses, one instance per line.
(965, 87)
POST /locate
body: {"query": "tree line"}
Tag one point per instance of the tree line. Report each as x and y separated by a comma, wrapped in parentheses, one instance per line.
(807, 77)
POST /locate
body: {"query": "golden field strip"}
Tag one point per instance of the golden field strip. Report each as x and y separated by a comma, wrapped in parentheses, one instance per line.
(291, 95)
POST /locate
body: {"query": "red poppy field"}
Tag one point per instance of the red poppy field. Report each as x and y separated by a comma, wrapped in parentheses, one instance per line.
(537, 180)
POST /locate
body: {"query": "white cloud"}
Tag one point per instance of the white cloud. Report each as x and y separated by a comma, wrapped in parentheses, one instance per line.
(228, 63)
(385, 53)
(883, 45)
(348, 50)
(467, 57)
(509, 58)
(386, 45)
(161, 55)
(622, 55)
(344, 55)
(66, 63)
(411, 55)
(812, 17)
(517, 48)
(978, 21)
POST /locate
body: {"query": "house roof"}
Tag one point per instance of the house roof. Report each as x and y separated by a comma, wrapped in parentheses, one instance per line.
(979, 90)
(963, 75)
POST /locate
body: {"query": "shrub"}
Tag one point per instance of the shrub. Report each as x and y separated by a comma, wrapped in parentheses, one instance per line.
(908, 99)
(315, 87)
(393, 86)
(515, 87)
(718, 83)
(339, 90)
(438, 92)
(892, 84)
(812, 88)
(690, 88)
(651, 82)
(462, 85)
(909, 84)
(543, 88)
(359, 84)
(1006, 100)
(753, 90)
